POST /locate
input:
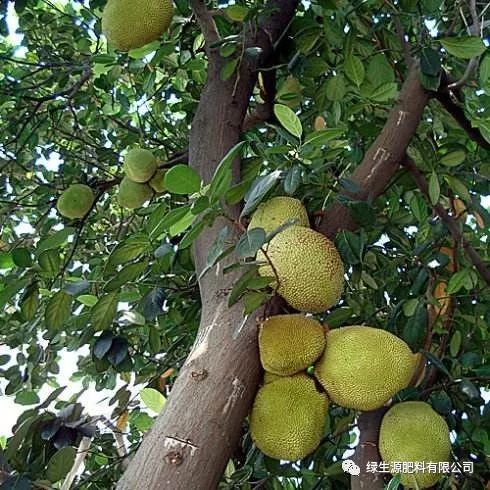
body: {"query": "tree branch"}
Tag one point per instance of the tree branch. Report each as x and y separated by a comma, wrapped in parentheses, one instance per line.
(382, 160)
(449, 221)
(263, 112)
(206, 22)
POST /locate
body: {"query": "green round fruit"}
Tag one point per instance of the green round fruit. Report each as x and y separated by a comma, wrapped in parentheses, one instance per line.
(309, 269)
(130, 24)
(289, 344)
(277, 211)
(156, 182)
(363, 367)
(288, 417)
(132, 194)
(76, 201)
(139, 165)
(413, 432)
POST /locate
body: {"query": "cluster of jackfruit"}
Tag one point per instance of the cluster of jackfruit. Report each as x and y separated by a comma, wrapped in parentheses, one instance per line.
(356, 367)
(130, 24)
(306, 266)
(141, 179)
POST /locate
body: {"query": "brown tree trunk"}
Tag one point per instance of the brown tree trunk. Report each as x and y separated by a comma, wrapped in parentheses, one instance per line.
(199, 428)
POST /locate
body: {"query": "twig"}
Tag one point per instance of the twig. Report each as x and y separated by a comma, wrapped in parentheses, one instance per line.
(263, 112)
(81, 455)
(450, 223)
(206, 22)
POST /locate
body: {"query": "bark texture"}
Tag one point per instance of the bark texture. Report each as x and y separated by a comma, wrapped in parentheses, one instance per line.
(195, 435)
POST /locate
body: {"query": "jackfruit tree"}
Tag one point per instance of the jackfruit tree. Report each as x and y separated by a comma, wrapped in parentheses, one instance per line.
(197, 196)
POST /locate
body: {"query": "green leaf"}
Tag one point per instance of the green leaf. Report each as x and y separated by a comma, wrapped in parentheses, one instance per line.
(54, 241)
(29, 304)
(259, 188)
(464, 47)
(26, 397)
(394, 483)
(183, 223)
(335, 88)
(436, 362)
(430, 62)
(218, 250)
(379, 71)
(453, 158)
(237, 13)
(6, 261)
(339, 316)
(354, 69)
(250, 242)
(22, 257)
(323, 136)
(434, 188)
(103, 344)
(20, 434)
(60, 463)
(129, 249)
(189, 238)
(87, 299)
(58, 310)
(288, 119)
(384, 92)
(455, 343)
(458, 187)
(459, 280)
(182, 179)
(50, 262)
(228, 69)
(11, 290)
(222, 178)
(125, 275)
(104, 311)
(152, 399)
(292, 180)
(254, 299)
(168, 220)
(484, 70)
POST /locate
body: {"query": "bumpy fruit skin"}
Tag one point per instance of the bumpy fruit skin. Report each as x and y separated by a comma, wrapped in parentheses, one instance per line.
(133, 195)
(308, 266)
(270, 377)
(130, 24)
(288, 417)
(156, 182)
(414, 432)
(363, 367)
(289, 344)
(76, 201)
(276, 211)
(140, 165)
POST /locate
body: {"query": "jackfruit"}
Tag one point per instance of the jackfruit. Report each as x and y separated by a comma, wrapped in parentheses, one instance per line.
(76, 201)
(288, 417)
(276, 211)
(156, 182)
(133, 195)
(289, 93)
(413, 432)
(130, 24)
(140, 165)
(363, 367)
(270, 377)
(308, 268)
(289, 344)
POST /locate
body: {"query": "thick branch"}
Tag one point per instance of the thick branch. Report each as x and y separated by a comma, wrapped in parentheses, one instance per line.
(383, 158)
(449, 221)
(206, 23)
(444, 97)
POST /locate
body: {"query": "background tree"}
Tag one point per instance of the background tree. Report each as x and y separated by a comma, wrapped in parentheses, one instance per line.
(387, 146)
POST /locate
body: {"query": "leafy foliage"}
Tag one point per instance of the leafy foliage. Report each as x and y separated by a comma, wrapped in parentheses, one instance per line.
(120, 287)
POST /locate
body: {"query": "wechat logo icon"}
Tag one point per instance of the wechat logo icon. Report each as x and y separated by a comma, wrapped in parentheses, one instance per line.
(350, 467)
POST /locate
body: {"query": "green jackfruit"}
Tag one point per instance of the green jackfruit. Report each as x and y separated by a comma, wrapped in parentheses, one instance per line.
(363, 367)
(133, 195)
(130, 24)
(308, 266)
(76, 201)
(156, 182)
(275, 212)
(288, 417)
(413, 432)
(140, 165)
(270, 377)
(289, 344)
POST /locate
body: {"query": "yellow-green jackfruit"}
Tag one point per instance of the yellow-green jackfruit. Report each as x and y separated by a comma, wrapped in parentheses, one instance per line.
(76, 201)
(156, 182)
(363, 367)
(289, 344)
(130, 24)
(288, 417)
(413, 432)
(276, 211)
(140, 165)
(308, 267)
(133, 195)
